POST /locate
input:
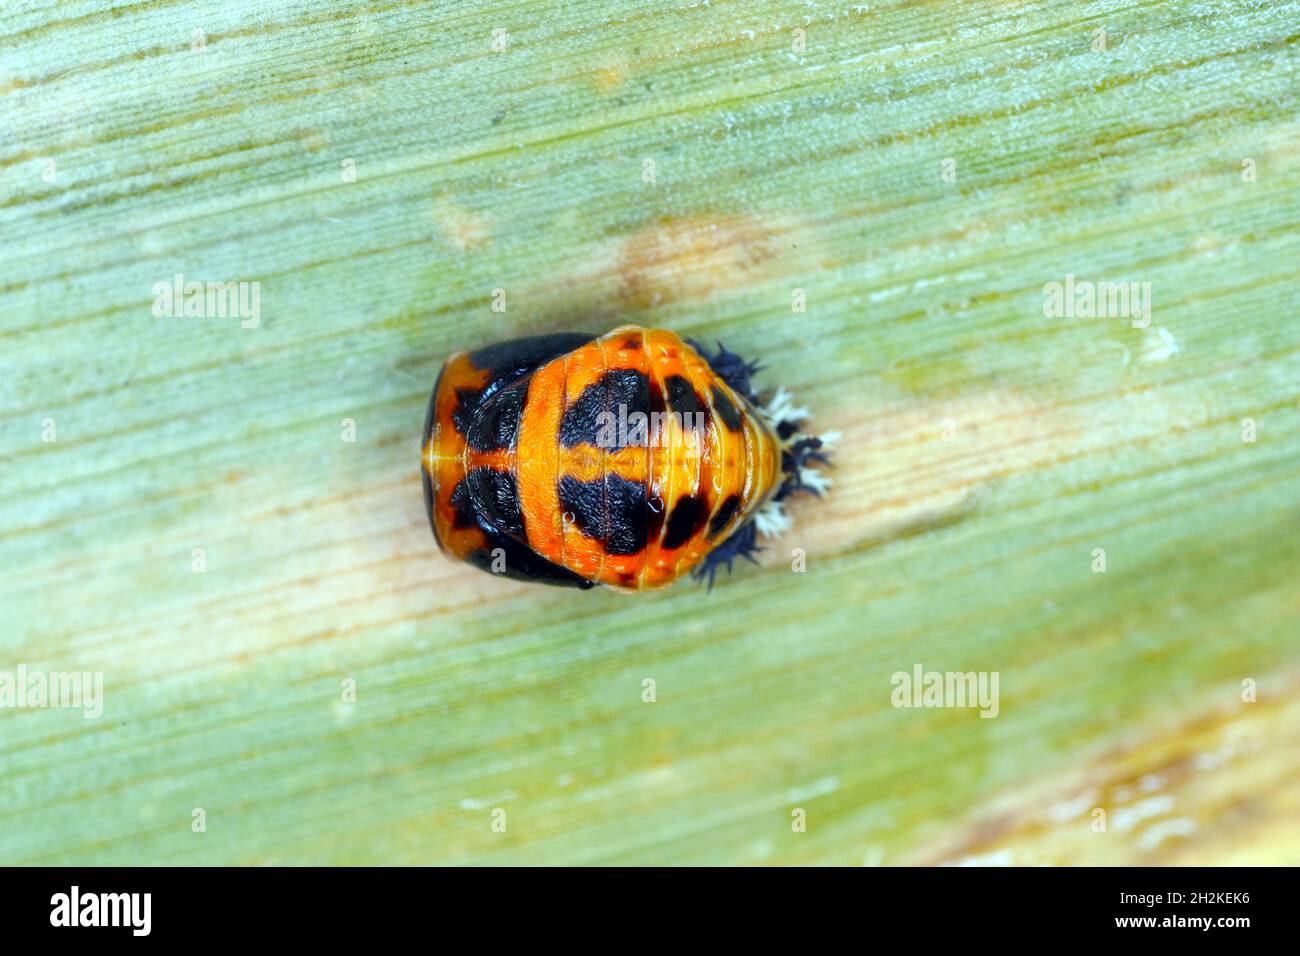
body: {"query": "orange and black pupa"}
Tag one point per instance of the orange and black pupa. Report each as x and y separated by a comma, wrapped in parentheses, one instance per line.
(624, 460)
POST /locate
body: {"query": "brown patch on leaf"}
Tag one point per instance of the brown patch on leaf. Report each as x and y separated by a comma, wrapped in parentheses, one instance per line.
(683, 259)
(463, 229)
(314, 140)
(610, 77)
(1217, 788)
(907, 465)
(694, 258)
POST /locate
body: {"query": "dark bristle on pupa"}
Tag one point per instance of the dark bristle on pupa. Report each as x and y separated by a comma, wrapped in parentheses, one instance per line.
(799, 452)
(731, 368)
(743, 543)
(793, 460)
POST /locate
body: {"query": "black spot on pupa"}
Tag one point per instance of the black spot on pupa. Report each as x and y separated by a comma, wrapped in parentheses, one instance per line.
(585, 501)
(496, 500)
(628, 515)
(520, 562)
(683, 398)
(629, 387)
(506, 361)
(583, 420)
(726, 410)
(687, 403)
(495, 423)
(681, 394)
(462, 416)
(463, 505)
(688, 516)
(612, 511)
(724, 516)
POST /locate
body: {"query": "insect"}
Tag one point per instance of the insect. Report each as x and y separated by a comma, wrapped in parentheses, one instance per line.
(625, 460)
